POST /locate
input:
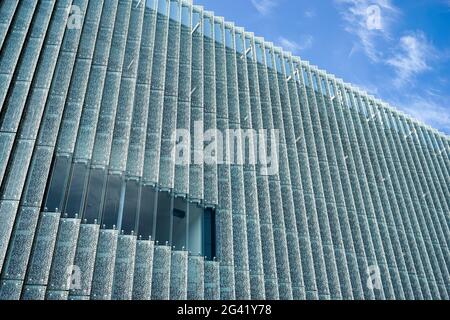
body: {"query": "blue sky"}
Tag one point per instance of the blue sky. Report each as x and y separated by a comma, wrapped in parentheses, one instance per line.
(397, 50)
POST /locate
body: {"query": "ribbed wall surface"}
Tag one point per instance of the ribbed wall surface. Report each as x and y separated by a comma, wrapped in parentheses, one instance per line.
(104, 85)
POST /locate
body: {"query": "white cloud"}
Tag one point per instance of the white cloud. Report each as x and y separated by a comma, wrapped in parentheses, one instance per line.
(428, 109)
(369, 20)
(310, 14)
(264, 7)
(305, 42)
(413, 57)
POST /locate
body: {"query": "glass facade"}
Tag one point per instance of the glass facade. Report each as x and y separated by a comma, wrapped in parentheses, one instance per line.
(91, 93)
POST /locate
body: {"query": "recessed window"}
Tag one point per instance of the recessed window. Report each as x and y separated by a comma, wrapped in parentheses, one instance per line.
(195, 229)
(209, 234)
(208, 27)
(185, 16)
(218, 34)
(239, 43)
(147, 212)
(269, 58)
(151, 4)
(163, 216)
(279, 63)
(162, 7)
(113, 197)
(130, 207)
(180, 223)
(57, 188)
(259, 53)
(174, 10)
(287, 66)
(76, 191)
(97, 181)
(229, 38)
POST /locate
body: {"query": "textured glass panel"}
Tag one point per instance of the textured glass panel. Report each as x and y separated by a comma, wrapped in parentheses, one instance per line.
(147, 212)
(130, 208)
(75, 195)
(94, 197)
(195, 229)
(112, 201)
(179, 233)
(58, 184)
(163, 217)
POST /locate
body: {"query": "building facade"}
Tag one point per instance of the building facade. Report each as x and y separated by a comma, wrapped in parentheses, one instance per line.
(152, 150)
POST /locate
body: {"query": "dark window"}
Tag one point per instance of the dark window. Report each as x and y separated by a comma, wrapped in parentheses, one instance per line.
(147, 212)
(130, 208)
(163, 218)
(94, 196)
(77, 187)
(112, 201)
(58, 184)
(195, 229)
(209, 234)
(179, 233)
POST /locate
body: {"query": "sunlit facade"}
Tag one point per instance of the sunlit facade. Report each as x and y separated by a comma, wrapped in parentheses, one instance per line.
(94, 205)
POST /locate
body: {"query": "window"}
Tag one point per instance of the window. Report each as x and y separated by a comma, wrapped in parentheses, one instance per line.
(269, 58)
(208, 27)
(112, 201)
(209, 234)
(162, 7)
(93, 206)
(229, 38)
(147, 212)
(150, 4)
(76, 191)
(174, 10)
(332, 91)
(196, 22)
(179, 228)
(57, 188)
(185, 16)
(287, 66)
(315, 83)
(163, 218)
(239, 43)
(218, 32)
(306, 77)
(130, 207)
(259, 53)
(195, 229)
(278, 62)
(248, 48)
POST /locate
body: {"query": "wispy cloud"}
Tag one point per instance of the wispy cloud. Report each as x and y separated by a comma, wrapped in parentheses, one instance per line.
(310, 13)
(305, 42)
(264, 7)
(369, 20)
(412, 57)
(428, 109)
